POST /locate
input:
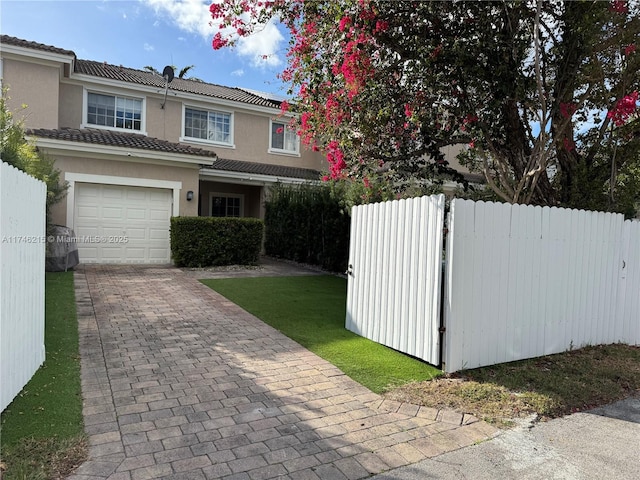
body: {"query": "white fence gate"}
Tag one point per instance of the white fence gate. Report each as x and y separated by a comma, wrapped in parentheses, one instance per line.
(395, 257)
(526, 281)
(22, 263)
(520, 281)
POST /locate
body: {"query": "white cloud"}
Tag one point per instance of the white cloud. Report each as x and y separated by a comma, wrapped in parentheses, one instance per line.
(238, 73)
(148, 48)
(193, 16)
(189, 15)
(262, 47)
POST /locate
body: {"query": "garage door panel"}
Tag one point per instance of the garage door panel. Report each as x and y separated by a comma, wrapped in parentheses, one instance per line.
(87, 192)
(133, 254)
(159, 215)
(158, 253)
(112, 212)
(136, 233)
(137, 195)
(112, 192)
(111, 252)
(158, 234)
(88, 232)
(112, 232)
(88, 211)
(159, 197)
(136, 214)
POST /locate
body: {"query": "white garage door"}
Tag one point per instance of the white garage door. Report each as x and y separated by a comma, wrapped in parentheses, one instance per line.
(118, 224)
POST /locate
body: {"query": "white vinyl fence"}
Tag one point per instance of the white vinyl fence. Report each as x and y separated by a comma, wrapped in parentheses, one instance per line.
(520, 281)
(22, 263)
(393, 294)
(526, 281)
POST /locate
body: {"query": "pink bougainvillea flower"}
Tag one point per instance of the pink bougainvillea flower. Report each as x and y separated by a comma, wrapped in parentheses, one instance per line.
(284, 106)
(408, 111)
(623, 109)
(219, 42)
(216, 10)
(344, 23)
(381, 26)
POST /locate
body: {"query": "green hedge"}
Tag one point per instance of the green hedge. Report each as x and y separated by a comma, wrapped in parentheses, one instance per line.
(210, 241)
(308, 225)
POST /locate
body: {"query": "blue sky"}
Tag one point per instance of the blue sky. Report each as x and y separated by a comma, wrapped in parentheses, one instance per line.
(137, 33)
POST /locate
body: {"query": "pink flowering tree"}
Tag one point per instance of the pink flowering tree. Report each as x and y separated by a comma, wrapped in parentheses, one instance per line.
(543, 94)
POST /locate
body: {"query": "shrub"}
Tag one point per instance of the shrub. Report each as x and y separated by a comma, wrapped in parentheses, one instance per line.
(309, 225)
(210, 241)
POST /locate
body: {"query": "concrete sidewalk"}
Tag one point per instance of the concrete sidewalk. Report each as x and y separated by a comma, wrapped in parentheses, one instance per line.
(600, 444)
(180, 383)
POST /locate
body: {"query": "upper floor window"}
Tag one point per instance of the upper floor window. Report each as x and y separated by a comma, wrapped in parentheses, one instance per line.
(208, 125)
(283, 139)
(114, 111)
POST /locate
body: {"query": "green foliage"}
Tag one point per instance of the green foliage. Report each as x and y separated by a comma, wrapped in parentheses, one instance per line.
(544, 93)
(210, 241)
(308, 224)
(16, 151)
(311, 311)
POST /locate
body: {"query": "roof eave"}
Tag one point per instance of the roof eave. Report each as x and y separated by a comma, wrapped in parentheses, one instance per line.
(7, 48)
(250, 178)
(131, 154)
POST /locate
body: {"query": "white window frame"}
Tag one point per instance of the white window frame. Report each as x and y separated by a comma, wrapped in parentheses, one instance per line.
(226, 195)
(282, 151)
(203, 141)
(113, 93)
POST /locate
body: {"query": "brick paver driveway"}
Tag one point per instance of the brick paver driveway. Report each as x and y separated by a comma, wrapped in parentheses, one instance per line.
(179, 383)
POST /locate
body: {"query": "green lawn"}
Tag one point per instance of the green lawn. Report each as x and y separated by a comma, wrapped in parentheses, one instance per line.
(42, 429)
(311, 311)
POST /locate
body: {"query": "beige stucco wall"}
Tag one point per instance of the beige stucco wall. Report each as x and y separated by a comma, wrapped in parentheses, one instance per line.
(36, 86)
(188, 175)
(70, 115)
(250, 129)
(250, 132)
(450, 153)
(164, 123)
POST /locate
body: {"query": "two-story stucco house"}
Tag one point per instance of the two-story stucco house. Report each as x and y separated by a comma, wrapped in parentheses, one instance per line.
(137, 150)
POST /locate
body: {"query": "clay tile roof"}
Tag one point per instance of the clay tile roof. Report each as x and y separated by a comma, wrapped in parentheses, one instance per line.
(264, 169)
(119, 139)
(150, 79)
(144, 77)
(7, 40)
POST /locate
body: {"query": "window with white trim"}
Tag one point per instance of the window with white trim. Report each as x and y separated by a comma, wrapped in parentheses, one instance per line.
(226, 205)
(208, 125)
(283, 139)
(114, 111)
